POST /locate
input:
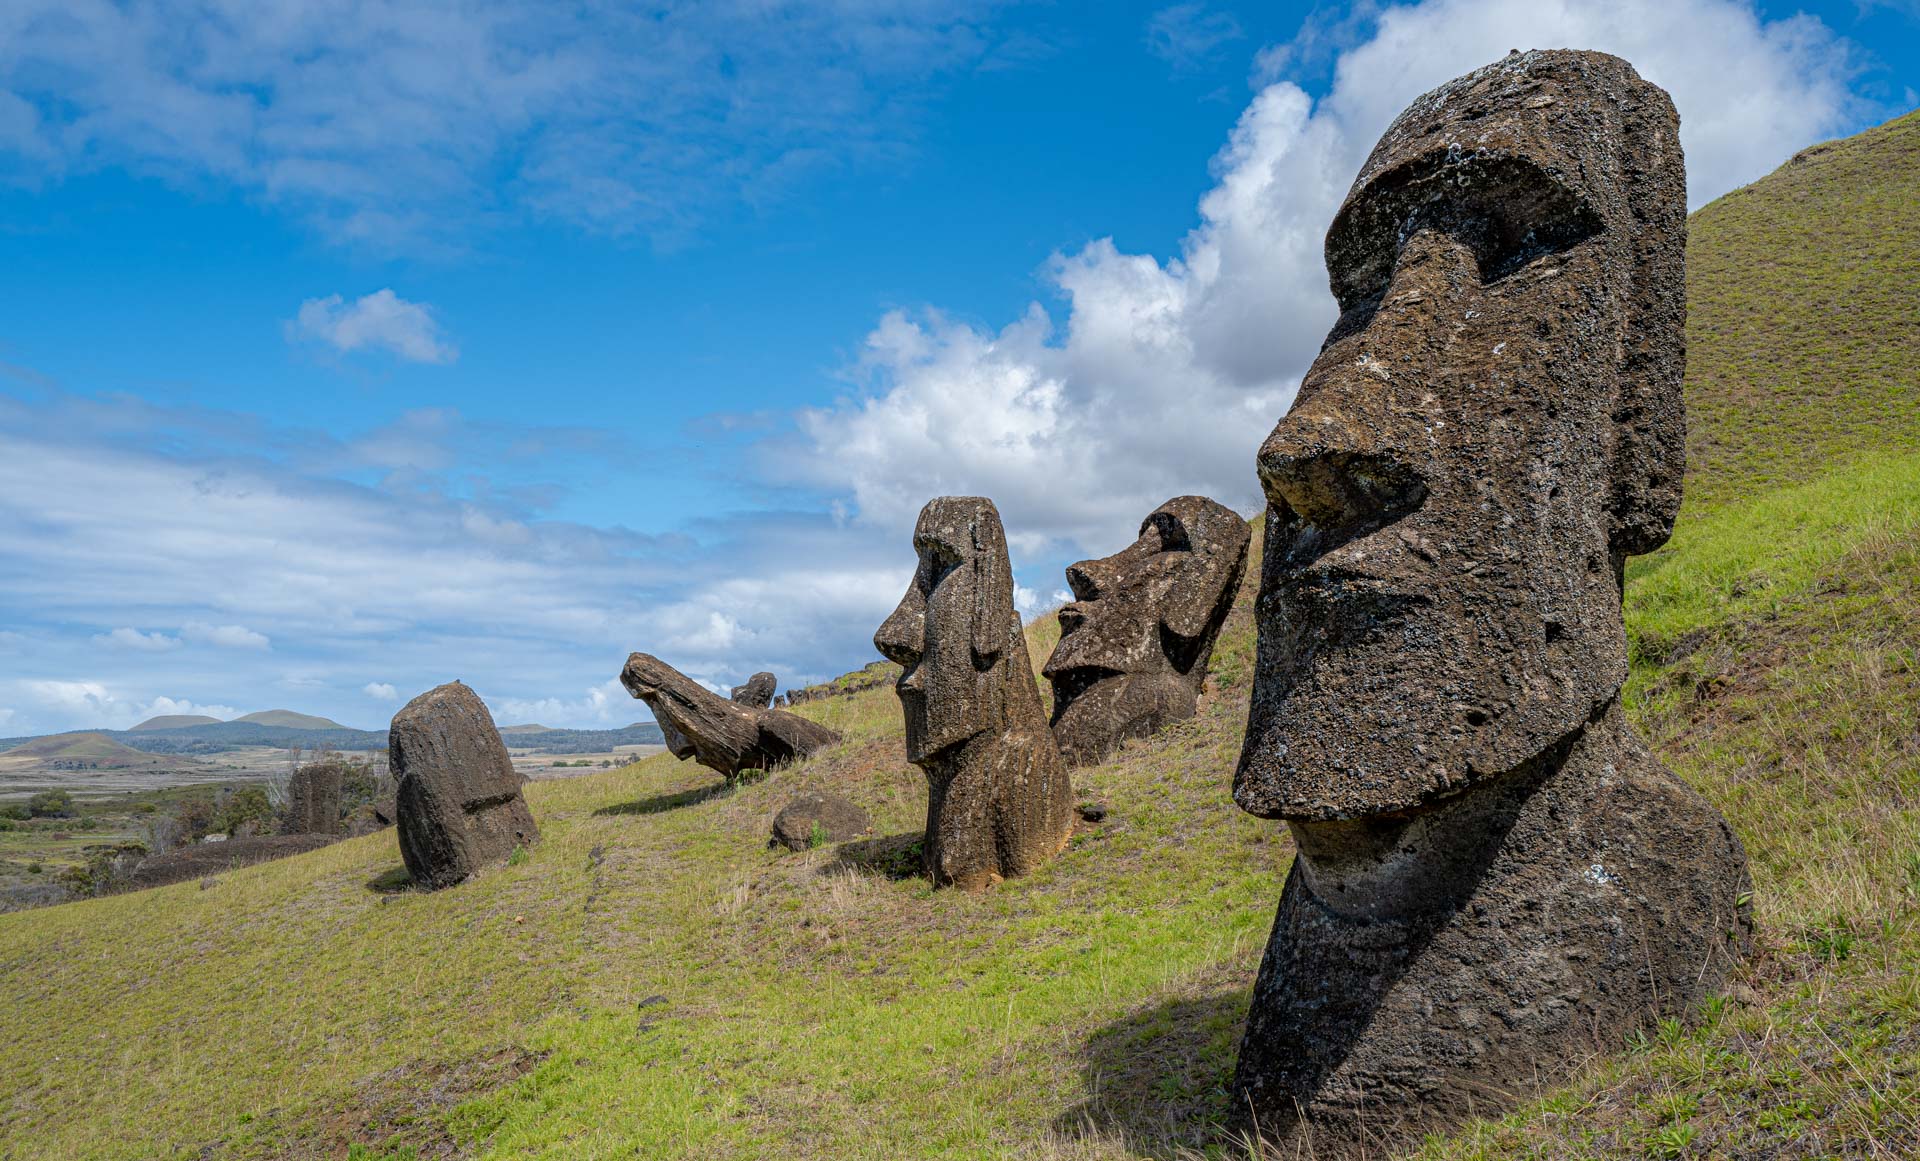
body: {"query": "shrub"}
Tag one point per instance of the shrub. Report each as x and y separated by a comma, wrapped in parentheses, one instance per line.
(14, 811)
(51, 804)
(247, 804)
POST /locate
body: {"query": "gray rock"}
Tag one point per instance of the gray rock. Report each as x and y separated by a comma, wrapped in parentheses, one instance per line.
(757, 693)
(1495, 877)
(999, 800)
(1135, 642)
(314, 794)
(832, 816)
(721, 735)
(457, 799)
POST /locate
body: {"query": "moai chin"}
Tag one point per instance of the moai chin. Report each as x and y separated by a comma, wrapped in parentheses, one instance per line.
(724, 735)
(1495, 877)
(1135, 642)
(999, 801)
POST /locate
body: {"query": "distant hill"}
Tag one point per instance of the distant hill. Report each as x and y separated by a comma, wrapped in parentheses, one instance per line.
(92, 749)
(219, 737)
(175, 722)
(287, 719)
(528, 728)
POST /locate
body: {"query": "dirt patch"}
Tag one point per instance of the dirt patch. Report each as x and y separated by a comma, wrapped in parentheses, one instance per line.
(204, 859)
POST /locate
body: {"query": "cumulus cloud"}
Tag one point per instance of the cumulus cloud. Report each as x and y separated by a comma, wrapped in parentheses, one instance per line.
(101, 705)
(605, 706)
(380, 691)
(136, 640)
(224, 636)
(381, 321)
(385, 122)
(1167, 374)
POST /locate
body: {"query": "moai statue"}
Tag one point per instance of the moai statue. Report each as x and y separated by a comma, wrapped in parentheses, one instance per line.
(999, 802)
(724, 736)
(314, 795)
(1495, 877)
(457, 796)
(757, 693)
(1135, 642)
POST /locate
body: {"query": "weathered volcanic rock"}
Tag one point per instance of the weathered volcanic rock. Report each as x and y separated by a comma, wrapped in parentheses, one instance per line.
(720, 734)
(999, 801)
(457, 798)
(757, 693)
(1135, 642)
(833, 817)
(1495, 877)
(314, 794)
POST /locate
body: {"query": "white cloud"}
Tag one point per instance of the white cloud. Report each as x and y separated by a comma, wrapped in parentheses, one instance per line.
(387, 121)
(6, 715)
(381, 321)
(1186, 36)
(97, 705)
(380, 691)
(136, 640)
(605, 706)
(1168, 374)
(224, 636)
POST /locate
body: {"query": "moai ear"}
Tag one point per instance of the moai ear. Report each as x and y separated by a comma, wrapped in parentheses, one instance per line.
(1650, 450)
(992, 584)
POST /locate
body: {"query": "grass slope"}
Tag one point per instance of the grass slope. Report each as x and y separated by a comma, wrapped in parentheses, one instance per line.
(651, 981)
(97, 749)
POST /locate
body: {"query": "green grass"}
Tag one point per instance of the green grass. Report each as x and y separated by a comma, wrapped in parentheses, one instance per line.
(651, 981)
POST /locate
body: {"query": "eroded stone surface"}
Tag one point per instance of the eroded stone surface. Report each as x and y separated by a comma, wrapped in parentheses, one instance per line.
(314, 795)
(457, 797)
(819, 815)
(1494, 875)
(1135, 642)
(721, 735)
(757, 693)
(999, 800)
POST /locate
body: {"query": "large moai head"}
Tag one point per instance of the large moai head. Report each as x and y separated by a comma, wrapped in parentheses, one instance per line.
(1135, 642)
(1493, 425)
(955, 632)
(458, 803)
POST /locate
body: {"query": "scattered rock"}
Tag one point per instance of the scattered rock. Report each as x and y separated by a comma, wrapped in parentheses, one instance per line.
(1135, 642)
(999, 800)
(1093, 811)
(1494, 873)
(721, 735)
(829, 816)
(458, 796)
(757, 693)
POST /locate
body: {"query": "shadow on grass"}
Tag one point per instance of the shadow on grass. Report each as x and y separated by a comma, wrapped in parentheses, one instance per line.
(897, 856)
(391, 882)
(1159, 1076)
(659, 803)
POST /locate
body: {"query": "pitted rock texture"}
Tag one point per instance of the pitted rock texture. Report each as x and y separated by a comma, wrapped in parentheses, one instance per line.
(1135, 642)
(457, 797)
(999, 800)
(1494, 875)
(821, 815)
(757, 693)
(721, 735)
(314, 797)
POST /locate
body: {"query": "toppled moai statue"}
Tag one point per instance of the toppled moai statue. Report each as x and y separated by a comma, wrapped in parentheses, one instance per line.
(722, 735)
(457, 796)
(314, 797)
(757, 693)
(999, 801)
(1495, 876)
(1135, 642)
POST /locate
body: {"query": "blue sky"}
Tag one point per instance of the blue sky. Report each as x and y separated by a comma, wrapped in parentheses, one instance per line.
(347, 347)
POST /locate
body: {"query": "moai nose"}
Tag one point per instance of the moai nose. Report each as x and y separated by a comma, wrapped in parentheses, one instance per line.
(1331, 475)
(1089, 580)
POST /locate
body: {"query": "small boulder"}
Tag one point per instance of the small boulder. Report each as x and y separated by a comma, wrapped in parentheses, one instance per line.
(458, 796)
(831, 816)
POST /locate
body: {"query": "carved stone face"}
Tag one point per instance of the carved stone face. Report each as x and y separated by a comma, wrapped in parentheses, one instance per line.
(1135, 642)
(1492, 426)
(949, 633)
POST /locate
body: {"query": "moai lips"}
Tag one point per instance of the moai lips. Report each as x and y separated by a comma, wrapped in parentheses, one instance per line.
(1495, 877)
(999, 801)
(1135, 642)
(457, 796)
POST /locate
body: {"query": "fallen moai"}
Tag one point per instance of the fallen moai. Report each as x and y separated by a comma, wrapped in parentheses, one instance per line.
(757, 693)
(999, 801)
(457, 799)
(720, 734)
(1135, 642)
(1495, 877)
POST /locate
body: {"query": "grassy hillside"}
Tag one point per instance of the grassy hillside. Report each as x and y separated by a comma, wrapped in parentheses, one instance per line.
(652, 981)
(97, 749)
